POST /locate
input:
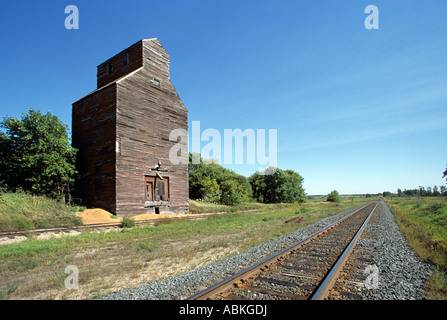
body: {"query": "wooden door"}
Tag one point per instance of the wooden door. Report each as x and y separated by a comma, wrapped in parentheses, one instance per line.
(149, 182)
(162, 189)
(149, 191)
(157, 189)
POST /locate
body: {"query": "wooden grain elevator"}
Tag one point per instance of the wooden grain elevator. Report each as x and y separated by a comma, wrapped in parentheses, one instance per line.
(122, 131)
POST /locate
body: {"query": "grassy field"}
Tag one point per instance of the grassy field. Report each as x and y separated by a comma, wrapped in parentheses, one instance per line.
(34, 269)
(424, 223)
(20, 211)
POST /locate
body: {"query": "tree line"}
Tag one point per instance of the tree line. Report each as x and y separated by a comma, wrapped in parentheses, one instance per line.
(209, 181)
(419, 192)
(36, 157)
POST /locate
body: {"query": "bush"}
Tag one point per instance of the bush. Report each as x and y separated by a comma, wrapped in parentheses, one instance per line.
(334, 196)
(277, 186)
(207, 181)
(128, 223)
(210, 190)
(232, 193)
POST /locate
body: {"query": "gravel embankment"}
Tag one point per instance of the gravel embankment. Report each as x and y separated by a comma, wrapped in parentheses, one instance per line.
(401, 272)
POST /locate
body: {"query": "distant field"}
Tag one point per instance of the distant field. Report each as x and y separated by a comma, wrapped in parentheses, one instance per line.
(34, 269)
(424, 223)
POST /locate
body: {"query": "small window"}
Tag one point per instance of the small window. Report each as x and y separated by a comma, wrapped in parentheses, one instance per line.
(125, 59)
(110, 67)
(157, 82)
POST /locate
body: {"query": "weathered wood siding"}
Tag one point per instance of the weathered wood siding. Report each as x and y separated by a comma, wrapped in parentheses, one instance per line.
(146, 115)
(135, 61)
(93, 134)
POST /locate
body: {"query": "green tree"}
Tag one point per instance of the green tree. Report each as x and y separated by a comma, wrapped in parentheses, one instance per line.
(206, 180)
(276, 186)
(334, 196)
(422, 192)
(210, 190)
(294, 191)
(36, 154)
(233, 193)
(445, 174)
(411, 192)
(196, 178)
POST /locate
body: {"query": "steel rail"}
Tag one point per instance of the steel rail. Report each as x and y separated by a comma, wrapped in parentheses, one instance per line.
(329, 280)
(228, 282)
(57, 229)
(149, 222)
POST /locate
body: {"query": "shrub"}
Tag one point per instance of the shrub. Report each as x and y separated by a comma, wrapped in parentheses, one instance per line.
(210, 190)
(277, 186)
(232, 193)
(128, 223)
(206, 181)
(334, 196)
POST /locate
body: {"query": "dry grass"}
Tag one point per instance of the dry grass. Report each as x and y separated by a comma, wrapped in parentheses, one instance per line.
(19, 211)
(424, 223)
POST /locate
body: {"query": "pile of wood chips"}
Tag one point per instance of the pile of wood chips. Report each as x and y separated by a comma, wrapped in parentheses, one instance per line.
(94, 216)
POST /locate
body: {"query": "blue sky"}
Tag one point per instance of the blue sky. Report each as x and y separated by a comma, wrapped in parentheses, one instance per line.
(355, 110)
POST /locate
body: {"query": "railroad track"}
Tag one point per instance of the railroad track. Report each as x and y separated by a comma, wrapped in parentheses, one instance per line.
(12, 234)
(99, 226)
(306, 270)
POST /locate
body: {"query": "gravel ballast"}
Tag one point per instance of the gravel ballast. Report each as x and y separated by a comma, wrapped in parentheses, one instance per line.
(401, 272)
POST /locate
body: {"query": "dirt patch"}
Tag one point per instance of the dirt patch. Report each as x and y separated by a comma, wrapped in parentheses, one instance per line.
(143, 272)
(94, 216)
(6, 240)
(296, 219)
(52, 235)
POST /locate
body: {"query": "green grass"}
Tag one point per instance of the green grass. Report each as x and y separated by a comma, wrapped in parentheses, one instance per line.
(197, 206)
(20, 211)
(424, 223)
(213, 225)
